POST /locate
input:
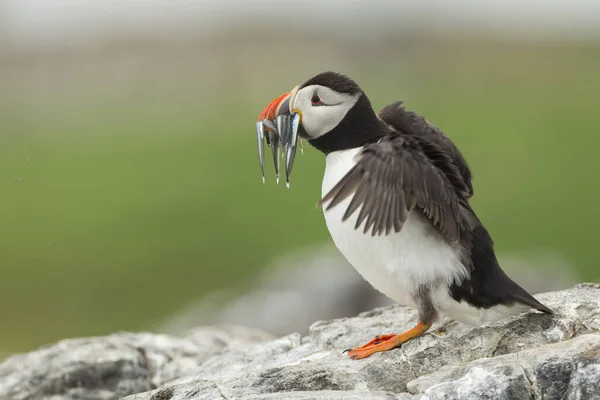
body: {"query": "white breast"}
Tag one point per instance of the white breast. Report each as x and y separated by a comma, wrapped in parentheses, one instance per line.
(397, 264)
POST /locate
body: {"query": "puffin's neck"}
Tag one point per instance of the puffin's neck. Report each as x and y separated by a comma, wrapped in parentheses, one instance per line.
(359, 127)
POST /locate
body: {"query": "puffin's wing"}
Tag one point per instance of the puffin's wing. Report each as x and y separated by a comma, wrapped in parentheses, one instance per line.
(393, 176)
(413, 124)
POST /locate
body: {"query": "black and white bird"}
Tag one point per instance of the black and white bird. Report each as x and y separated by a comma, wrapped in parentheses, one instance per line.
(396, 196)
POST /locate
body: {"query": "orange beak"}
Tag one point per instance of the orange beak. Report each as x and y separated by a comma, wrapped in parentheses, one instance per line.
(279, 106)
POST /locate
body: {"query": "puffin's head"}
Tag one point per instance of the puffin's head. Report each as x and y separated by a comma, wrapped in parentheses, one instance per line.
(322, 103)
(329, 110)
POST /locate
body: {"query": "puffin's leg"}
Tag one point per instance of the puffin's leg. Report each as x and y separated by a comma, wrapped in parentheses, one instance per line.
(427, 314)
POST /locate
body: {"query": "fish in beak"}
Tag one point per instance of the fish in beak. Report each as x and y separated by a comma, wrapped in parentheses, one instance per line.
(278, 126)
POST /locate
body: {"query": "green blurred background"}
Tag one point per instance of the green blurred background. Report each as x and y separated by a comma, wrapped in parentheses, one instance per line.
(129, 181)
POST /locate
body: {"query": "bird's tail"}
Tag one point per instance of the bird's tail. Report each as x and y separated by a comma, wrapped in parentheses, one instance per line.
(520, 295)
(488, 284)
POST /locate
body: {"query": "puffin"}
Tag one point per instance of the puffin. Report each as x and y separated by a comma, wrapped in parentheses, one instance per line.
(396, 200)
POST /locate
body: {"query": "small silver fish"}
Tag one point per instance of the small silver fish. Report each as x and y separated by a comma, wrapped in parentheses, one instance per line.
(282, 136)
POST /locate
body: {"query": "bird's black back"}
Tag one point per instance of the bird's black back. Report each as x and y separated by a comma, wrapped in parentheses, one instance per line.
(487, 284)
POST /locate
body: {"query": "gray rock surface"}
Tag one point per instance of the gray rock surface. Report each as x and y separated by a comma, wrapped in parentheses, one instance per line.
(530, 356)
(564, 370)
(102, 368)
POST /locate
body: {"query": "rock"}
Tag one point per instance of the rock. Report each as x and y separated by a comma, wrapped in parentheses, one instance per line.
(529, 356)
(319, 284)
(564, 370)
(114, 366)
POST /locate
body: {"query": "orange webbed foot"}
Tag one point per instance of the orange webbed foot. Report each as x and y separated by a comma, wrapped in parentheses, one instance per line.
(388, 342)
(378, 339)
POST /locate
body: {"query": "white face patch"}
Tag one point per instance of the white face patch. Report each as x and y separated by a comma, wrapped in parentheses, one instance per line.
(317, 120)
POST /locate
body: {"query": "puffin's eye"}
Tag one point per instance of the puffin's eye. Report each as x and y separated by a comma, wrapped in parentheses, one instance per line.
(316, 100)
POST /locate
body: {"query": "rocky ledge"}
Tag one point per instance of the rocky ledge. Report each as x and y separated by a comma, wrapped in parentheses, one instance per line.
(530, 356)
